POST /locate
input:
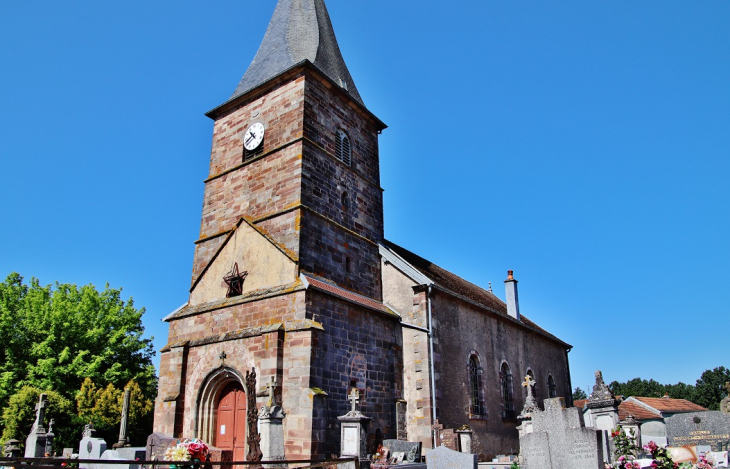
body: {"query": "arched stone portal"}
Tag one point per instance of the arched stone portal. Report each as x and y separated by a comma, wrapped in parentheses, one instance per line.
(220, 416)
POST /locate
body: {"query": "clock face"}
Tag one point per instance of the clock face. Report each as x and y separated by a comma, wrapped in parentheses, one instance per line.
(253, 136)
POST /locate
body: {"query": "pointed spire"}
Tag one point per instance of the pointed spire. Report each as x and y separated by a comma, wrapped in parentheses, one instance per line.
(299, 30)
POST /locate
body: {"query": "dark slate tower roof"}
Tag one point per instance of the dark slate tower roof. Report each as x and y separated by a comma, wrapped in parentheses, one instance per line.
(299, 30)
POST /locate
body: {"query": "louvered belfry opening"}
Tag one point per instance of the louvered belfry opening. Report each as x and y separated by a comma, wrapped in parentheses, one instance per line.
(342, 148)
(249, 155)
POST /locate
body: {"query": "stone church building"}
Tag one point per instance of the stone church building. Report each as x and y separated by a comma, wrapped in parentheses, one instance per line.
(293, 277)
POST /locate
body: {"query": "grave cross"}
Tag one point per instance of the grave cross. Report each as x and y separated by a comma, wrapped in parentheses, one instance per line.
(272, 389)
(354, 399)
(40, 410)
(529, 383)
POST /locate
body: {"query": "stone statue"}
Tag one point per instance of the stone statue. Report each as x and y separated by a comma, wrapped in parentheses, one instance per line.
(601, 392)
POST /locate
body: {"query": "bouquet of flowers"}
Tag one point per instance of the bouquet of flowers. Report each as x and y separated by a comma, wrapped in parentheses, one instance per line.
(188, 450)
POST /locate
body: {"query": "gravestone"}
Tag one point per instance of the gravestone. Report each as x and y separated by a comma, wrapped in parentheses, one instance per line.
(447, 438)
(122, 454)
(36, 445)
(353, 430)
(560, 440)
(12, 449)
(91, 448)
(709, 428)
(412, 450)
(271, 417)
(157, 444)
(445, 458)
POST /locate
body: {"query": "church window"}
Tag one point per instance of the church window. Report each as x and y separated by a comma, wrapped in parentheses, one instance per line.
(345, 199)
(348, 265)
(552, 388)
(343, 151)
(505, 376)
(476, 406)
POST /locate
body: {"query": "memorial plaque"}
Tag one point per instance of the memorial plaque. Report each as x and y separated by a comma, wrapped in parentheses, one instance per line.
(708, 428)
(350, 441)
(447, 437)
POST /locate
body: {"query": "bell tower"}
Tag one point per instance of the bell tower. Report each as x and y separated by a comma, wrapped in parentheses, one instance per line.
(286, 275)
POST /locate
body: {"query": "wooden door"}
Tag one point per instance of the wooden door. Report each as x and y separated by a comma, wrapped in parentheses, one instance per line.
(231, 421)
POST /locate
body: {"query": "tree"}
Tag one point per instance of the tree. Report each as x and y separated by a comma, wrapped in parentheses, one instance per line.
(57, 336)
(710, 388)
(579, 394)
(19, 415)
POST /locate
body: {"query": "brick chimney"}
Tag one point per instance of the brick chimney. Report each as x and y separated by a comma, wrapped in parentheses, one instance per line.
(513, 302)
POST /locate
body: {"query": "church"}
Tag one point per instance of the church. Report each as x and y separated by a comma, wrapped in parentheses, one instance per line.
(293, 278)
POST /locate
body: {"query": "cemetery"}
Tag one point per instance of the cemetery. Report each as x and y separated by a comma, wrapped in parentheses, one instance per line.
(551, 435)
(308, 340)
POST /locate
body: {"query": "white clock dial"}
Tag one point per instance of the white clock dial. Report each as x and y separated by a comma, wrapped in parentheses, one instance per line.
(253, 136)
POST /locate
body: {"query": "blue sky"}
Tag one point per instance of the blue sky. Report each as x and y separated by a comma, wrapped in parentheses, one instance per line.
(584, 145)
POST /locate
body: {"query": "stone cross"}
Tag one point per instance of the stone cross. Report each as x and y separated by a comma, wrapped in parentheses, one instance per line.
(354, 399)
(40, 411)
(272, 389)
(529, 383)
(530, 402)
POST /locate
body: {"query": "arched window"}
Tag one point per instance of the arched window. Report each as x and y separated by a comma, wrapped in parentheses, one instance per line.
(476, 406)
(552, 388)
(507, 398)
(343, 151)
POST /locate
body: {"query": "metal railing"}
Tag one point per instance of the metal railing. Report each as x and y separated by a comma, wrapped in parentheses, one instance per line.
(71, 463)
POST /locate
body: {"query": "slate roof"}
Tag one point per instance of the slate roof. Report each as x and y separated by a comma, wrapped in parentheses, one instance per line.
(299, 30)
(454, 284)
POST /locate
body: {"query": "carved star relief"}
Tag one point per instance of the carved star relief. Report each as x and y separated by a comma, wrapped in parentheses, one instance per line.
(234, 279)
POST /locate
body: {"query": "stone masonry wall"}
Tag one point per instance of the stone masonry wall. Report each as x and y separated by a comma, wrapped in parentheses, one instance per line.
(459, 329)
(358, 348)
(233, 318)
(260, 187)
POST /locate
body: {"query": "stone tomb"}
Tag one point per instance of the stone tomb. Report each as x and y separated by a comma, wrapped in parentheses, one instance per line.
(699, 428)
(411, 450)
(444, 458)
(560, 440)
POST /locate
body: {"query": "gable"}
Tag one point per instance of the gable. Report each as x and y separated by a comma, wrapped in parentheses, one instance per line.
(266, 263)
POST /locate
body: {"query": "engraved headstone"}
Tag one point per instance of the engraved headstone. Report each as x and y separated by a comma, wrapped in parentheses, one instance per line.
(271, 427)
(448, 439)
(709, 428)
(353, 429)
(560, 440)
(445, 458)
(411, 449)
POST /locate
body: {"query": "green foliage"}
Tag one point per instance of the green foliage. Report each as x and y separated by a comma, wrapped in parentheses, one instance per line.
(710, 388)
(55, 337)
(708, 391)
(579, 394)
(19, 415)
(625, 448)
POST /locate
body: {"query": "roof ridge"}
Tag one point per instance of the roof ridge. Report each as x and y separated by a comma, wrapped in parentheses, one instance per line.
(299, 30)
(445, 270)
